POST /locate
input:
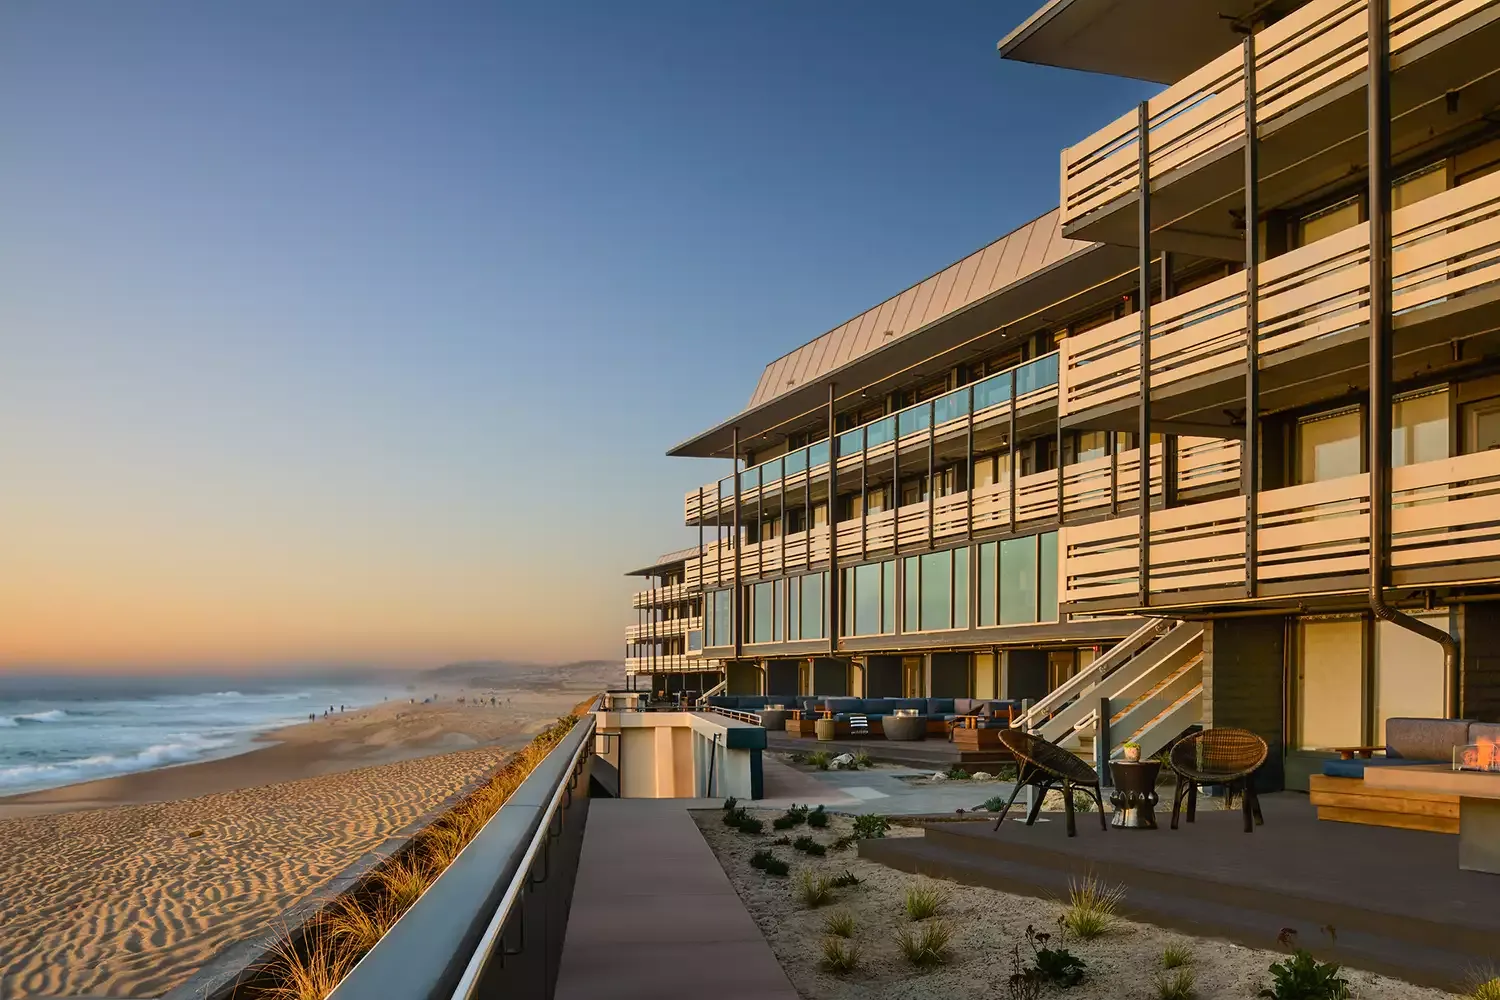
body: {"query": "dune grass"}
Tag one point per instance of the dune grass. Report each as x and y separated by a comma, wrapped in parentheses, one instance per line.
(338, 937)
(1091, 907)
(927, 946)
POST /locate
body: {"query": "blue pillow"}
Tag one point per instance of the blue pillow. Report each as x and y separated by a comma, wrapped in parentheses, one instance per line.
(940, 706)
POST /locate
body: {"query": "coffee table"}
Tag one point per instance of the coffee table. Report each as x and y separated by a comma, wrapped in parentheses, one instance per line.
(1478, 806)
(1134, 798)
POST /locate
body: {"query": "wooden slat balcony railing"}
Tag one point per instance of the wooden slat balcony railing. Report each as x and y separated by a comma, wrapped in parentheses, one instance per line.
(1306, 54)
(657, 596)
(1445, 530)
(1444, 247)
(670, 627)
(675, 663)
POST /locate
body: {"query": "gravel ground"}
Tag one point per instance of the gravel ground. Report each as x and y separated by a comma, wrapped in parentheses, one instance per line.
(987, 925)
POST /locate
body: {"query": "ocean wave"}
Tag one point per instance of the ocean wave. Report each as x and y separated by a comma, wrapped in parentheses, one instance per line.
(226, 694)
(184, 748)
(52, 715)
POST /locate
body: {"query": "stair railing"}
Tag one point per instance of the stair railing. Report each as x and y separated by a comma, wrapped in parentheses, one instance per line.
(1095, 672)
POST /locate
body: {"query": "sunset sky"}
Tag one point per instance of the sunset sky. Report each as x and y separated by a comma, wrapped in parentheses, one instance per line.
(354, 332)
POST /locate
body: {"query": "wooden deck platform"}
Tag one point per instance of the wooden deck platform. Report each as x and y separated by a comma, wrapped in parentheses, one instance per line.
(1397, 898)
(1350, 800)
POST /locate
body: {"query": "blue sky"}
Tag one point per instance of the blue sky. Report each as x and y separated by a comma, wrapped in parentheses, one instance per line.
(356, 331)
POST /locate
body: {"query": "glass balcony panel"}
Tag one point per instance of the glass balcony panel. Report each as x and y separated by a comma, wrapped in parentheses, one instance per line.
(881, 431)
(993, 391)
(726, 488)
(750, 479)
(1036, 375)
(850, 442)
(817, 455)
(914, 419)
(770, 472)
(951, 406)
(796, 462)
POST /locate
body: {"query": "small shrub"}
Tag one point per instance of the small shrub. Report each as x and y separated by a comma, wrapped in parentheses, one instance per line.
(807, 845)
(862, 759)
(777, 867)
(1057, 966)
(813, 890)
(1175, 956)
(820, 759)
(733, 818)
(759, 858)
(1484, 988)
(957, 773)
(870, 826)
(730, 803)
(749, 824)
(926, 946)
(1176, 986)
(783, 823)
(993, 804)
(797, 757)
(846, 880)
(840, 957)
(1091, 907)
(817, 818)
(1303, 977)
(923, 901)
(1021, 984)
(839, 924)
(782, 842)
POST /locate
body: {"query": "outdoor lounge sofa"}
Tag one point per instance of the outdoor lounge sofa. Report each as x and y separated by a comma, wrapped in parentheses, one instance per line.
(1341, 795)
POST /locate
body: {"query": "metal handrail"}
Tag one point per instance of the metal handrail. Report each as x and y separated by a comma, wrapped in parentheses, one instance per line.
(443, 945)
(468, 983)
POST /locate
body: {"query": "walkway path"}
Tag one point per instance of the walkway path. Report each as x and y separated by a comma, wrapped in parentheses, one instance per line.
(653, 910)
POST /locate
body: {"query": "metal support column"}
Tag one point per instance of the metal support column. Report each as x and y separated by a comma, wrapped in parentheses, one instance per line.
(931, 469)
(833, 531)
(864, 492)
(1380, 342)
(736, 606)
(1058, 446)
(1113, 443)
(969, 469)
(1250, 445)
(1011, 452)
(1143, 144)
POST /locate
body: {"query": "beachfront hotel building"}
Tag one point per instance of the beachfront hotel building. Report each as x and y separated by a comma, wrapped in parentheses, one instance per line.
(942, 496)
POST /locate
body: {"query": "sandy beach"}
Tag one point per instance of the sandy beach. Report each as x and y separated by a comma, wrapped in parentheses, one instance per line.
(125, 886)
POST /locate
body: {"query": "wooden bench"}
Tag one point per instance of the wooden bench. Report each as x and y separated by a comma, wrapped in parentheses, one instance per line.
(1347, 800)
(976, 739)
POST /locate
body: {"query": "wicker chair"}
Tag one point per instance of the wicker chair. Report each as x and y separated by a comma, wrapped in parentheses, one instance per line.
(1226, 757)
(1042, 765)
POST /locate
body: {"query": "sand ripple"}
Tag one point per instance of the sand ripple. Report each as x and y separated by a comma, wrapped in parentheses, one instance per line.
(129, 901)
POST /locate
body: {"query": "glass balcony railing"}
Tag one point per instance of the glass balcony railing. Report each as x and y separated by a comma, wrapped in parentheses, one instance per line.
(990, 392)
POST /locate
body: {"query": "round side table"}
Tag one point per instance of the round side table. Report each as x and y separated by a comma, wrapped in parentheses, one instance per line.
(825, 729)
(1134, 795)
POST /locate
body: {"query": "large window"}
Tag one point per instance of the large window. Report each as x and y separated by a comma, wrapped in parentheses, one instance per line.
(720, 619)
(805, 596)
(1329, 447)
(1018, 581)
(937, 591)
(870, 598)
(1409, 677)
(1419, 428)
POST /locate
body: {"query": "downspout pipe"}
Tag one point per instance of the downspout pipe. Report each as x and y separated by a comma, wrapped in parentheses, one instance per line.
(1380, 345)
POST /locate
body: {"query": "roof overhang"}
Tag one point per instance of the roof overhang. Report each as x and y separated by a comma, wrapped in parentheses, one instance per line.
(1039, 300)
(1161, 44)
(668, 561)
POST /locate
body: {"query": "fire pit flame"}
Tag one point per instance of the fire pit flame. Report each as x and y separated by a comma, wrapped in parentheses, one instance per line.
(1481, 756)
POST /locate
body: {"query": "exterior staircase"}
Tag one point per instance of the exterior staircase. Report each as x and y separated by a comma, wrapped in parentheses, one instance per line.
(1148, 689)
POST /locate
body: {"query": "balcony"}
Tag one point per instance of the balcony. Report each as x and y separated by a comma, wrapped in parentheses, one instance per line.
(1205, 466)
(1035, 388)
(1313, 320)
(670, 664)
(657, 596)
(1310, 539)
(663, 629)
(1310, 69)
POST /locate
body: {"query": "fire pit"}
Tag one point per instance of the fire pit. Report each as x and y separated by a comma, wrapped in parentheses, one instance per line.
(1474, 776)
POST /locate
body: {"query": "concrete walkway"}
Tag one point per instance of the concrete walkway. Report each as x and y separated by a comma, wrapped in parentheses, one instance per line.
(652, 909)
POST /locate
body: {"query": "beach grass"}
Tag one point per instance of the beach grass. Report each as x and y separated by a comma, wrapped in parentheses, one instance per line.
(309, 969)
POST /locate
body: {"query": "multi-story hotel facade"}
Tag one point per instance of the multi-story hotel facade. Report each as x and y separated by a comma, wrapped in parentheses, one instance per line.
(943, 495)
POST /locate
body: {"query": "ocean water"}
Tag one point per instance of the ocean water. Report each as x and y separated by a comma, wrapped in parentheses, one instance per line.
(56, 731)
